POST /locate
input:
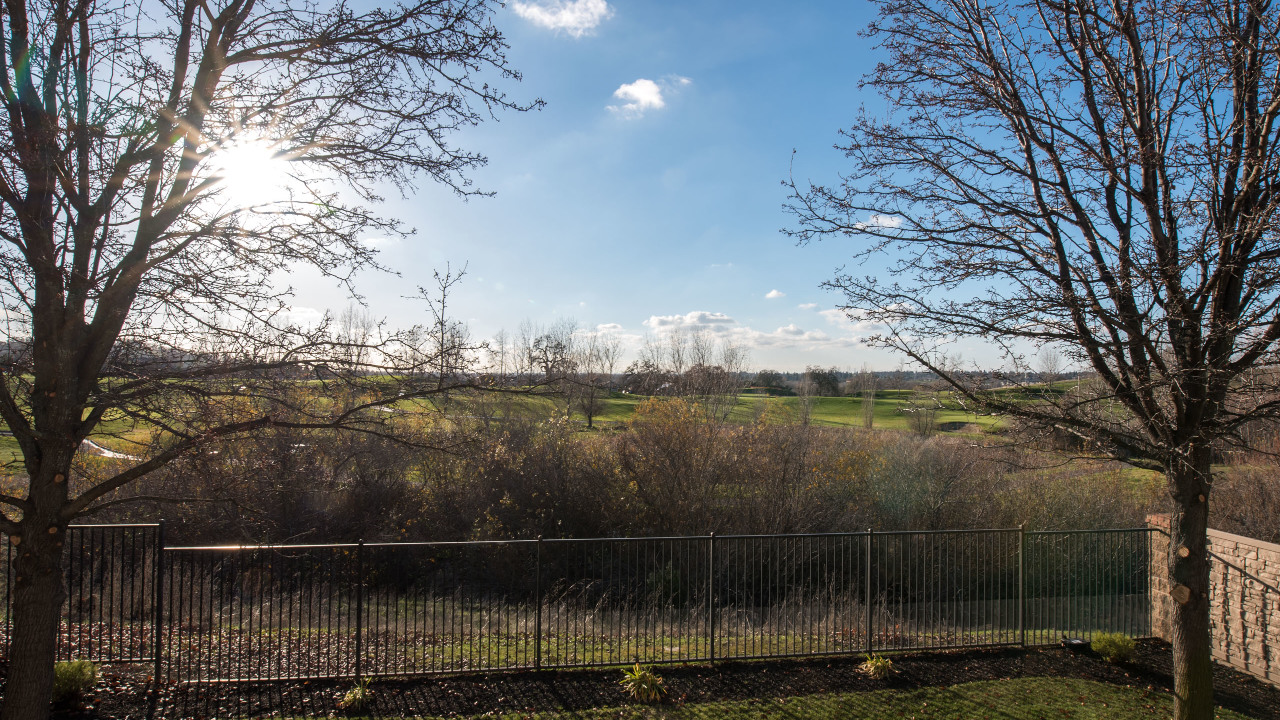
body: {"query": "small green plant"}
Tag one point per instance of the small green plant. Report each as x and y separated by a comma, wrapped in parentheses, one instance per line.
(358, 697)
(73, 680)
(1113, 647)
(643, 684)
(877, 667)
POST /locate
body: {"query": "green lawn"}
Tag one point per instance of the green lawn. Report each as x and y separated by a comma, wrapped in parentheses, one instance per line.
(1013, 699)
(117, 433)
(620, 407)
(9, 450)
(847, 411)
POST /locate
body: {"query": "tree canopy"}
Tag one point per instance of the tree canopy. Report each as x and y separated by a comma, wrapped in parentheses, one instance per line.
(138, 285)
(1094, 176)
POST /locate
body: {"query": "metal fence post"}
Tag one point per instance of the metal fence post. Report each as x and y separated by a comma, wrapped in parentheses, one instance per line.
(711, 598)
(9, 542)
(359, 604)
(537, 606)
(1022, 585)
(158, 611)
(866, 607)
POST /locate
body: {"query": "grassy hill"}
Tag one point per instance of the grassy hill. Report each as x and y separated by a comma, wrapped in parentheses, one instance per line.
(893, 411)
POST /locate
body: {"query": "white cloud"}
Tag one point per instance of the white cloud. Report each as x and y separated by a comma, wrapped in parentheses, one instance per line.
(834, 316)
(775, 294)
(856, 322)
(807, 306)
(608, 327)
(641, 95)
(844, 337)
(792, 337)
(880, 222)
(575, 17)
(697, 318)
(645, 94)
(304, 317)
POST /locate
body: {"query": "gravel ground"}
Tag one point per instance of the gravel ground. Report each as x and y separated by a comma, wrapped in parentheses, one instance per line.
(123, 690)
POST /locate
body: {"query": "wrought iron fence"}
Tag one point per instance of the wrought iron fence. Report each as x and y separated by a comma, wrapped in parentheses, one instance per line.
(109, 614)
(237, 613)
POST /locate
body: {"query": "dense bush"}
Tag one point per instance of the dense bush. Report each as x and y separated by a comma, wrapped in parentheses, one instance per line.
(671, 470)
(1114, 647)
(1246, 499)
(73, 680)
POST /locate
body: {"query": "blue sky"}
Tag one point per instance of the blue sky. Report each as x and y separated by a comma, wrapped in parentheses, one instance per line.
(647, 194)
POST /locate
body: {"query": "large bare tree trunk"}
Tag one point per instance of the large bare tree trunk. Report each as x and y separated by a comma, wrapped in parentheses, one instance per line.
(37, 591)
(38, 594)
(1189, 586)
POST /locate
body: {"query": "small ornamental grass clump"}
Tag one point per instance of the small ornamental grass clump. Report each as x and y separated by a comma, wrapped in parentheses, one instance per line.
(877, 667)
(358, 697)
(643, 684)
(1114, 647)
(72, 681)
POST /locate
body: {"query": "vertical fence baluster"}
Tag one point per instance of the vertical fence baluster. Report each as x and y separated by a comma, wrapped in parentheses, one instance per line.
(866, 609)
(537, 604)
(1022, 585)
(8, 592)
(359, 605)
(158, 621)
(711, 599)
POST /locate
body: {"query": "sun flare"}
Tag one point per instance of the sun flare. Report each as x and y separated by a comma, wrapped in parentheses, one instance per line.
(252, 174)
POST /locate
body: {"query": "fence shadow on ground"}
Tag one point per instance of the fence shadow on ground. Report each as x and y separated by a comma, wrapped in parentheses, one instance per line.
(759, 684)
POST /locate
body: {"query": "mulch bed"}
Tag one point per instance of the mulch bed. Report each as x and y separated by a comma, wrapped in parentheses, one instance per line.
(122, 694)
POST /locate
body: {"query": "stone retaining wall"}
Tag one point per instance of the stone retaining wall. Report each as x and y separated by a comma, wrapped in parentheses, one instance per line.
(1244, 599)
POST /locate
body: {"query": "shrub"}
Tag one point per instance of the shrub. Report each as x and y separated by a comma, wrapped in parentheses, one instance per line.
(1113, 647)
(358, 697)
(923, 421)
(877, 667)
(643, 684)
(1248, 500)
(73, 680)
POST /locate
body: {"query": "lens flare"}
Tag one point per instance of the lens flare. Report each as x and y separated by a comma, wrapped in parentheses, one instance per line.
(253, 174)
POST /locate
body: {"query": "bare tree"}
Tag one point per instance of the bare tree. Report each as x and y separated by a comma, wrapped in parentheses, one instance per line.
(545, 359)
(500, 357)
(714, 375)
(596, 358)
(825, 381)
(455, 354)
(1049, 365)
(1098, 177)
(140, 284)
(646, 374)
(866, 380)
(355, 333)
(677, 352)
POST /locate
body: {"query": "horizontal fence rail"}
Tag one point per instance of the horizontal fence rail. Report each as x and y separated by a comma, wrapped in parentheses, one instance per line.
(354, 610)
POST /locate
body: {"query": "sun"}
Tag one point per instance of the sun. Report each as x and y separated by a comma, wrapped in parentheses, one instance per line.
(252, 173)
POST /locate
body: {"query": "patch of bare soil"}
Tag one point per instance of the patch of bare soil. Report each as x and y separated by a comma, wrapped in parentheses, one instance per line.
(124, 690)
